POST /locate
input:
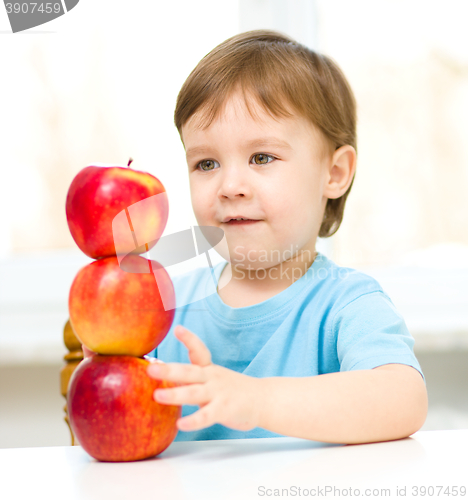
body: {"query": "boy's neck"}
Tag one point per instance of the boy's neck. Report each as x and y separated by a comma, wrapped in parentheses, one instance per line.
(248, 287)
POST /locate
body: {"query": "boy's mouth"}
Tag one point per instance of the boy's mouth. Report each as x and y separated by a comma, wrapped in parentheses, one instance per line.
(239, 220)
(234, 222)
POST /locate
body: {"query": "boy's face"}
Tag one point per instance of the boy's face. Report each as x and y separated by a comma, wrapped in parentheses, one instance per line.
(280, 185)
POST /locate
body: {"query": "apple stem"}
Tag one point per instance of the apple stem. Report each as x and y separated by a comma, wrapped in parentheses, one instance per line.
(129, 161)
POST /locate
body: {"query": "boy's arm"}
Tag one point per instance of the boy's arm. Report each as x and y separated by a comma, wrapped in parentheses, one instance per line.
(385, 403)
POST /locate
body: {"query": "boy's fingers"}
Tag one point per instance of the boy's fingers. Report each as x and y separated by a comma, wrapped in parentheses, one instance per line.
(198, 420)
(194, 394)
(199, 354)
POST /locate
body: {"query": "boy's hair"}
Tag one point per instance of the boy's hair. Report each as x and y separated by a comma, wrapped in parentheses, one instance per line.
(275, 70)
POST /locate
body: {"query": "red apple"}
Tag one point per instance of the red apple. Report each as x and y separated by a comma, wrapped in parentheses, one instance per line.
(122, 311)
(112, 410)
(98, 194)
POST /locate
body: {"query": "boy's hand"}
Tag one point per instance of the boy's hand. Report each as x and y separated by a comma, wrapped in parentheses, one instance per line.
(224, 396)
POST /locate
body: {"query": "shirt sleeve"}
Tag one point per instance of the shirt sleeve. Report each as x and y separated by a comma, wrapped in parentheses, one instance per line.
(370, 332)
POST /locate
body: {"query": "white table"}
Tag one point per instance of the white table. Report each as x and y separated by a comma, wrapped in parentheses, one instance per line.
(244, 469)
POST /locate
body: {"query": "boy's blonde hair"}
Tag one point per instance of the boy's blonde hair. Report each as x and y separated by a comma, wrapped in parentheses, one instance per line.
(276, 70)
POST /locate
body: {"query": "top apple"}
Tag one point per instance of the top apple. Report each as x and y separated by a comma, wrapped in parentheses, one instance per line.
(98, 194)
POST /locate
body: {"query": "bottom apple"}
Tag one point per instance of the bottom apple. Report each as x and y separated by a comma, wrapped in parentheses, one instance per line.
(112, 411)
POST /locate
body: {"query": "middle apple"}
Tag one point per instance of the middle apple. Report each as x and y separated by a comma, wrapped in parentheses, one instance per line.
(114, 311)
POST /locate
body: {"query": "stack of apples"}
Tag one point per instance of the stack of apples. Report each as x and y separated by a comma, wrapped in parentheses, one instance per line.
(121, 307)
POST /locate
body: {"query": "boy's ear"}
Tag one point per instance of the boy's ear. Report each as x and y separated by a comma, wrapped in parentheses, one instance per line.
(340, 173)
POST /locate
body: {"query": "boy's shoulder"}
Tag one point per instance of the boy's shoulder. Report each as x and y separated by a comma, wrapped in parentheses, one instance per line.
(345, 281)
(350, 292)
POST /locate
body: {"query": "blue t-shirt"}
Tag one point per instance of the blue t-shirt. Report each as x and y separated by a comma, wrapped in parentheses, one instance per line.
(332, 319)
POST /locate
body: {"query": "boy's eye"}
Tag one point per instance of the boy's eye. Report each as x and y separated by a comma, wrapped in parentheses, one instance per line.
(209, 164)
(258, 159)
(262, 159)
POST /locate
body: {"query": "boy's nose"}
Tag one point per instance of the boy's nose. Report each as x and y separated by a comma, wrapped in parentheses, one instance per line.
(234, 182)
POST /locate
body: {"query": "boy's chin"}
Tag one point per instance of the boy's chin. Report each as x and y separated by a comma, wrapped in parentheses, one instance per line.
(254, 266)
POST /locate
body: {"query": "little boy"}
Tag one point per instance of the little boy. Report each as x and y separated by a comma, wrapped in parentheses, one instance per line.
(291, 344)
